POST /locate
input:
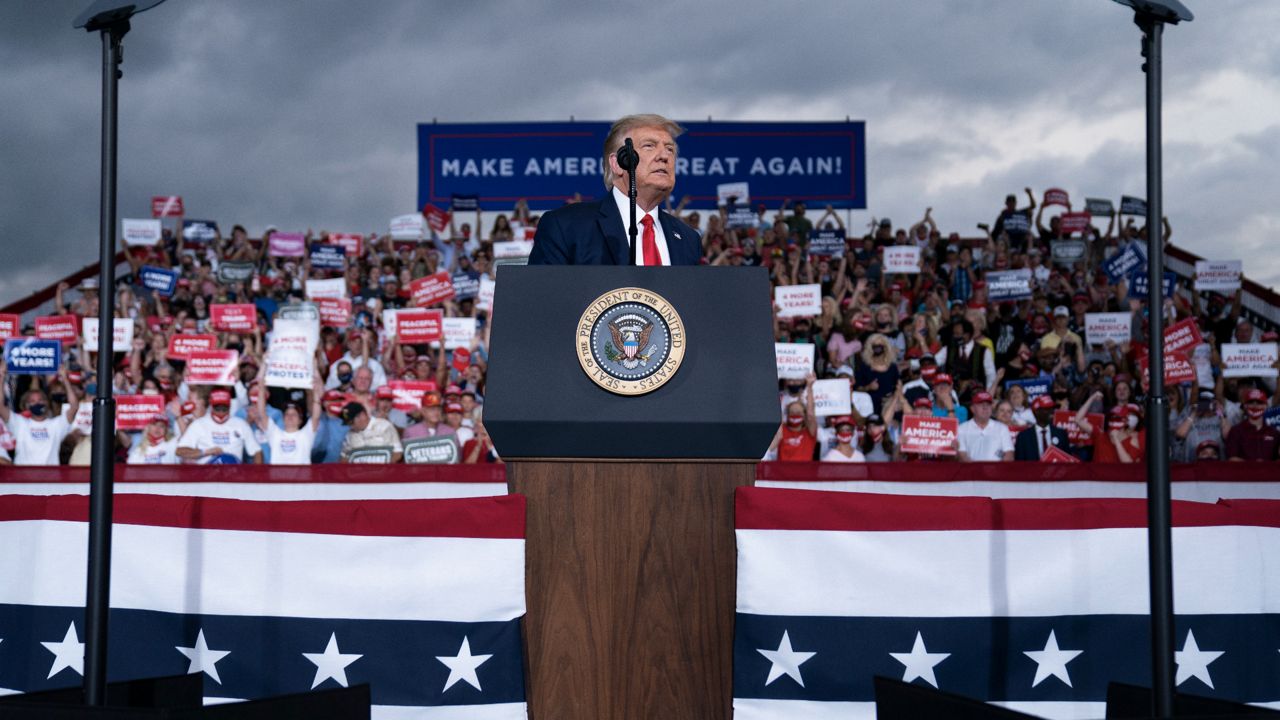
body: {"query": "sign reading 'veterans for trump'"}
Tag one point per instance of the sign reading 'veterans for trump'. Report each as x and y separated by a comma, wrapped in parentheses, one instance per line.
(548, 163)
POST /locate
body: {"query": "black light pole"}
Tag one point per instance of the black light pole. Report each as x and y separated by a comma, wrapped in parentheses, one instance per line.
(111, 19)
(1151, 16)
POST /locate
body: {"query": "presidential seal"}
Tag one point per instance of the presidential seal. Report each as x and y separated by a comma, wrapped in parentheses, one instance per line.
(630, 341)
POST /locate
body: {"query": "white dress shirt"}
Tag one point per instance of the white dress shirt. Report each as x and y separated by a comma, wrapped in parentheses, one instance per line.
(624, 209)
(985, 444)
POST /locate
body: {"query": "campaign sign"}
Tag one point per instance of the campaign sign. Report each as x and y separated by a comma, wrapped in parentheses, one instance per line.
(733, 193)
(432, 289)
(1057, 196)
(795, 360)
(408, 393)
(1066, 419)
(134, 412)
(212, 367)
(1119, 265)
(1101, 327)
(182, 345)
(163, 206)
(1034, 387)
(287, 244)
(414, 327)
(289, 367)
(32, 356)
(299, 311)
(1017, 222)
(832, 397)
(235, 272)
(739, 217)
(438, 219)
(1182, 335)
(827, 243)
(1220, 275)
(1271, 418)
(1074, 222)
(1130, 205)
(199, 231)
(334, 312)
(139, 232)
(121, 334)
(465, 285)
(512, 249)
(431, 450)
(1068, 252)
(371, 455)
(926, 435)
(233, 318)
(331, 288)
(464, 202)
(458, 332)
(1099, 207)
(1008, 284)
(901, 259)
(1140, 285)
(327, 257)
(1249, 359)
(159, 280)
(1177, 368)
(819, 163)
(484, 297)
(351, 243)
(59, 327)
(10, 325)
(408, 227)
(798, 300)
(1054, 455)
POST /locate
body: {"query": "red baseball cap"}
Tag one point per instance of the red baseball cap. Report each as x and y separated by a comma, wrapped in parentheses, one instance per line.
(922, 401)
(929, 373)
(160, 417)
(333, 396)
(219, 397)
(1254, 395)
(841, 420)
(453, 407)
(982, 396)
(431, 399)
(385, 392)
(453, 390)
(941, 378)
(1042, 402)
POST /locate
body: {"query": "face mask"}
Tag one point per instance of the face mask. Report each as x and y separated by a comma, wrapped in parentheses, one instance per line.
(1253, 411)
(795, 420)
(844, 437)
(1133, 422)
(156, 436)
(875, 432)
(220, 416)
(1117, 425)
(877, 350)
(795, 389)
(344, 378)
(37, 409)
(58, 397)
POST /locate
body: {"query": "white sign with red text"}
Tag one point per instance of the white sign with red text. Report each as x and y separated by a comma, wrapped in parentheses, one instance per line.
(798, 300)
(795, 360)
(902, 259)
(484, 300)
(1101, 327)
(832, 397)
(1249, 359)
(331, 288)
(121, 334)
(140, 232)
(1220, 275)
(408, 227)
(212, 367)
(459, 332)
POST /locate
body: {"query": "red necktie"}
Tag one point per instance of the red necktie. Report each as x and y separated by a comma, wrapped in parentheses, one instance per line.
(651, 256)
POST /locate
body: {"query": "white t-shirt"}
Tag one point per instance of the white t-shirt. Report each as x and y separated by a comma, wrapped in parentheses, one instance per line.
(233, 437)
(834, 455)
(290, 448)
(143, 453)
(37, 441)
(987, 444)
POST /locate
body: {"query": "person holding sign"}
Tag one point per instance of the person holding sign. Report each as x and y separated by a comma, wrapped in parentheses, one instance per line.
(39, 436)
(291, 444)
(843, 450)
(797, 439)
(596, 232)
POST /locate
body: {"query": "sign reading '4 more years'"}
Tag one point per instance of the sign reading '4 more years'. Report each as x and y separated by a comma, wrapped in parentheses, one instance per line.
(798, 300)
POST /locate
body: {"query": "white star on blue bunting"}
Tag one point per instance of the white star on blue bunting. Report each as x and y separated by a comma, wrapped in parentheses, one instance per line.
(1194, 662)
(785, 661)
(1051, 661)
(68, 653)
(920, 662)
(202, 658)
(463, 665)
(331, 664)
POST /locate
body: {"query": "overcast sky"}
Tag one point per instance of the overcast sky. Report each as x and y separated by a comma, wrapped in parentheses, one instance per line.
(303, 114)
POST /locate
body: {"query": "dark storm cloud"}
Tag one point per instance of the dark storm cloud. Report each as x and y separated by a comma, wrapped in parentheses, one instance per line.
(302, 114)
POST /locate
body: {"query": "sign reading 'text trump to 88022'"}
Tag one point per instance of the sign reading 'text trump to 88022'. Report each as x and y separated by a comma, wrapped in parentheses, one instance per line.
(547, 163)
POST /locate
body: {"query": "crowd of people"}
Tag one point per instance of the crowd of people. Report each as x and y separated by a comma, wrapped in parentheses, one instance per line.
(926, 343)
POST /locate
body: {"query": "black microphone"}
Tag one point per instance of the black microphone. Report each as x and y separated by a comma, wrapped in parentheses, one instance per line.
(627, 156)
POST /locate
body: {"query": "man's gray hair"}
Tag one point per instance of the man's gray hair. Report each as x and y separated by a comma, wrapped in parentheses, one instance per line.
(618, 134)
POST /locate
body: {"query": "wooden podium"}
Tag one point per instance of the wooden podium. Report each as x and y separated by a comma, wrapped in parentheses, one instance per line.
(630, 571)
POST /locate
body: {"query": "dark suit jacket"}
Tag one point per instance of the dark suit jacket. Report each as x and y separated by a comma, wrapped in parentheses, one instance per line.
(593, 233)
(1026, 447)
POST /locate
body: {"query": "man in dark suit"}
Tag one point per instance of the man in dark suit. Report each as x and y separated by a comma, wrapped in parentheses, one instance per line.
(595, 232)
(1035, 440)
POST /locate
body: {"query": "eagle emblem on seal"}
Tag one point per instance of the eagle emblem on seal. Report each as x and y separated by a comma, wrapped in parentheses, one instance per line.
(630, 334)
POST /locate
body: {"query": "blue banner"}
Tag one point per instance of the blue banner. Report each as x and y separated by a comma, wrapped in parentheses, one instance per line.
(1139, 288)
(160, 280)
(327, 257)
(31, 356)
(199, 231)
(827, 243)
(1034, 387)
(466, 285)
(819, 163)
(1118, 266)
(1008, 284)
